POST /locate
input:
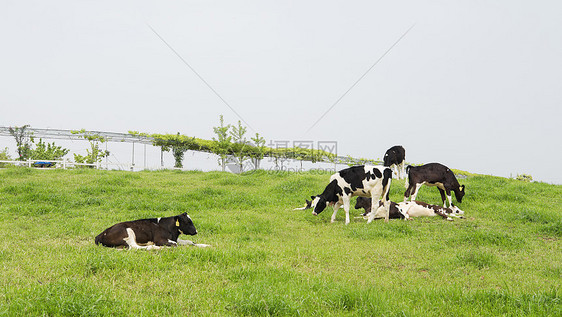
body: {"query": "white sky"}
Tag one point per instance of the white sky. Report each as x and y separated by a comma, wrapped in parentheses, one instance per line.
(475, 85)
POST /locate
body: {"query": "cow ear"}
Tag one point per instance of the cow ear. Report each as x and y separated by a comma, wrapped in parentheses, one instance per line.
(312, 197)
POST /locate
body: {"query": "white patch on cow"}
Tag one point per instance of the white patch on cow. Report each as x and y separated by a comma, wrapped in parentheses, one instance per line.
(313, 204)
(131, 241)
(158, 220)
(172, 242)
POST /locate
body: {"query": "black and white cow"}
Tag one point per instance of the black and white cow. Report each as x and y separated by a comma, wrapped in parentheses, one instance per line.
(395, 157)
(411, 208)
(366, 181)
(149, 234)
(420, 209)
(365, 203)
(433, 174)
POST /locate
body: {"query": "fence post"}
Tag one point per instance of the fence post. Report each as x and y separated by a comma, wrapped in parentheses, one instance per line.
(29, 162)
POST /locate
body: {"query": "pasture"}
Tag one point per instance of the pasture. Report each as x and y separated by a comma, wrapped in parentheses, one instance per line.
(504, 259)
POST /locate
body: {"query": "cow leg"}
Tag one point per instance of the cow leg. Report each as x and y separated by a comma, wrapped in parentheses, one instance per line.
(336, 207)
(450, 198)
(401, 171)
(346, 203)
(418, 186)
(443, 198)
(188, 242)
(131, 240)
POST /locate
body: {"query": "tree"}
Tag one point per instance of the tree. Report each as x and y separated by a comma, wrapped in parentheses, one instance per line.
(48, 151)
(241, 147)
(222, 144)
(5, 156)
(94, 154)
(23, 141)
(258, 154)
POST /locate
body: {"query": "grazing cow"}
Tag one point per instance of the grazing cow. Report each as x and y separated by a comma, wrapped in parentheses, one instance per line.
(367, 181)
(149, 234)
(420, 209)
(395, 157)
(433, 174)
(365, 202)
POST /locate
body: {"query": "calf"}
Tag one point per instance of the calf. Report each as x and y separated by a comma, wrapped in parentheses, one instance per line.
(420, 209)
(395, 156)
(149, 234)
(366, 181)
(433, 174)
(365, 202)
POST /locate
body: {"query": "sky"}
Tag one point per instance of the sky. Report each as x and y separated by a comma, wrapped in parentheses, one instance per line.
(474, 85)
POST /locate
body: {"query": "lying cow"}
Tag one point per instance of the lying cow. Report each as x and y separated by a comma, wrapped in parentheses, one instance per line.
(412, 209)
(433, 174)
(149, 234)
(366, 181)
(365, 203)
(421, 209)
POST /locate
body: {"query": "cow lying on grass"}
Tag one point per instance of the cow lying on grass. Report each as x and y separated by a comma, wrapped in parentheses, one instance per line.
(148, 234)
(412, 209)
(420, 209)
(365, 203)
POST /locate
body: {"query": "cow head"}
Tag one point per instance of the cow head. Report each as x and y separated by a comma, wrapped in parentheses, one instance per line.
(185, 225)
(319, 203)
(455, 210)
(459, 193)
(363, 202)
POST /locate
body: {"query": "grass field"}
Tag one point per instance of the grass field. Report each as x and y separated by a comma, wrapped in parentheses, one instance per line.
(504, 259)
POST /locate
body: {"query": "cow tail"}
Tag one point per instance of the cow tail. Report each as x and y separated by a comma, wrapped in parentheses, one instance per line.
(407, 183)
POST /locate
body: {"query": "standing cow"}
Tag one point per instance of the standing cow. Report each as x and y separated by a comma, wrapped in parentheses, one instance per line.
(433, 174)
(395, 157)
(366, 181)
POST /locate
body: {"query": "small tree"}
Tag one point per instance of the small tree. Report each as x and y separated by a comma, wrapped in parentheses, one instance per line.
(23, 141)
(94, 154)
(5, 156)
(222, 144)
(48, 151)
(241, 147)
(259, 150)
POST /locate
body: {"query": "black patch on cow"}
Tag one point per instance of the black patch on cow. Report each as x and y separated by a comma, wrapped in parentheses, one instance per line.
(394, 155)
(354, 176)
(377, 173)
(332, 191)
(347, 190)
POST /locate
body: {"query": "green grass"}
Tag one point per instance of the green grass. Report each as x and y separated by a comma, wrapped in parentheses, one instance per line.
(267, 260)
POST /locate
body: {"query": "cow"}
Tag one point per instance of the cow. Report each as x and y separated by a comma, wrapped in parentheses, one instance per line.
(395, 157)
(433, 174)
(420, 209)
(412, 208)
(361, 180)
(148, 234)
(365, 203)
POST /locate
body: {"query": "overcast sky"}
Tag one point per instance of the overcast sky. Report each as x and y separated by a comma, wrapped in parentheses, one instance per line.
(475, 85)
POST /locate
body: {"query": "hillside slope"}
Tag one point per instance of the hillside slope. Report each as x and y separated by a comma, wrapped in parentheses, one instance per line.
(266, 259)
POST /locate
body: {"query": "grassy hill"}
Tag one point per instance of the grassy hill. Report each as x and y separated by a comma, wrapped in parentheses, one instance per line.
(504, 259)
